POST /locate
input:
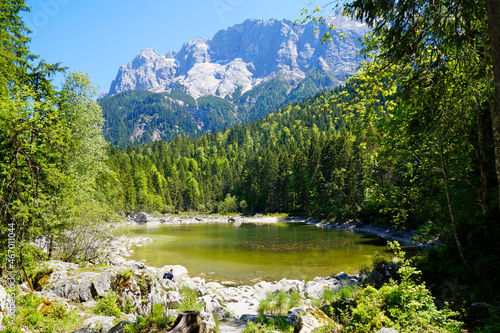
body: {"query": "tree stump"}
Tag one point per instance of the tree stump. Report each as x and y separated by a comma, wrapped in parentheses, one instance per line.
(187, 322)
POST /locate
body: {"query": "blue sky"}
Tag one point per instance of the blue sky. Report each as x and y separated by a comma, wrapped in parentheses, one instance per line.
(98, 36)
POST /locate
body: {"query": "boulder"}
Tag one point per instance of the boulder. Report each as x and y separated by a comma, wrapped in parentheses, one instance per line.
(142, 218)
(85, 291)
(311, 320)
(86, 330)
(102, 283)
(314, 289)
(179, 271)
(382, 274)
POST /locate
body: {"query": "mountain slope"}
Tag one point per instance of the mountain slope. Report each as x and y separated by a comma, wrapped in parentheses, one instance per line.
(240, 75)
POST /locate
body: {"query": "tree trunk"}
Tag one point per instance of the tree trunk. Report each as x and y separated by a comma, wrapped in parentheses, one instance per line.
(190, 322)
(450, 206)
(483, 164)
(493, 8)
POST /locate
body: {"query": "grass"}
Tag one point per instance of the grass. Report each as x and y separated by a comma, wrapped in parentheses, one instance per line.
(41, 316)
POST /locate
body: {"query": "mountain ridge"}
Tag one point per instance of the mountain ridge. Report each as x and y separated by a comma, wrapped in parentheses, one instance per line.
(245, 55)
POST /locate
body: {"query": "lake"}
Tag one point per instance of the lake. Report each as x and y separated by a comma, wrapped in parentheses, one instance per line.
(252, 252)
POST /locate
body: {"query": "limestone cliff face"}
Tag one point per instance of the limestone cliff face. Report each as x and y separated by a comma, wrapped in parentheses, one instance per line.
(244, 56)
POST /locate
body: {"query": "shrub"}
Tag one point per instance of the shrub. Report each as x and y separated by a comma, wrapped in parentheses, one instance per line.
(406, 305)
(189, 300)
(107, 306)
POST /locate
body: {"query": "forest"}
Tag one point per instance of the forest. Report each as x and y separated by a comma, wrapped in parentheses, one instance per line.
(412, 141)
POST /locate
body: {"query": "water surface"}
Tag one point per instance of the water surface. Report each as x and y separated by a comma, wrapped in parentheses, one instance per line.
(254, 252)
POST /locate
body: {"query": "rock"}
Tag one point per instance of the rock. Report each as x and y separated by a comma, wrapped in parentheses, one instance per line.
(316, 289)
(382, 273)
(312, 319)
(86, 330)
(142, 218)
(387, 330)
(102, 283)
(85, 291)
(173, 299)
(291, 285)
(342, 276)
(89, 304)
(214, 304)
(120, 327)
(7, 304)
(295, 313)
(180, 272)
(103, 322)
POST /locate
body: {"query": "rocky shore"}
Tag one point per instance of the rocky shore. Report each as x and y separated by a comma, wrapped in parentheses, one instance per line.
(79, 289)
(142, 286)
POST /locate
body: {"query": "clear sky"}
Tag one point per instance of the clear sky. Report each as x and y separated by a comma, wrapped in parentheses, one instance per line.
(98, 36)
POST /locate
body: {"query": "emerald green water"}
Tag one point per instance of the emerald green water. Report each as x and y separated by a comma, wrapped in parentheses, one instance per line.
(255, 252)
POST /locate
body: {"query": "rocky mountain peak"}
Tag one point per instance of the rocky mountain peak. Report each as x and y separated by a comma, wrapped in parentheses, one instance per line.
(243, 56)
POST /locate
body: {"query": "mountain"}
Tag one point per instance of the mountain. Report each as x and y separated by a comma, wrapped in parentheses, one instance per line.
(241, 74)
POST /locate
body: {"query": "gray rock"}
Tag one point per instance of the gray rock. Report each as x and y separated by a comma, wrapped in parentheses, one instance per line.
(142, 218)
(86, 330)
(382, 274)
(120, 327)
(214, 305)
(173, 299)
(7, 304)
(85, 291)
(387, 330)
(105, 323)
(312, 319)
(102, 283)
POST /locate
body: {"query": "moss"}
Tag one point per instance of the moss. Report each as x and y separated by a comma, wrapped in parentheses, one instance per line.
(41, 278)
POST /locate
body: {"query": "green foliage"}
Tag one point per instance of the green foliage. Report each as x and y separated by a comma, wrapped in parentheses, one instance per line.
(279, 303)
(157, 320)
(294, 160)
(229, 205)
(265, 324)
(174, 113)
(128, 306)
(108, 306)
(407, 306)
(40, 315)
(189, 300)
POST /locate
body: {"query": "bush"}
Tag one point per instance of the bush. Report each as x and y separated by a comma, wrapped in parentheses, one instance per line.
(190, 300)
(406, 306)
(107, 306)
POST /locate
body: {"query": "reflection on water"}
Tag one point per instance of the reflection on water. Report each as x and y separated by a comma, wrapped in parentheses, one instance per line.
(253, 252)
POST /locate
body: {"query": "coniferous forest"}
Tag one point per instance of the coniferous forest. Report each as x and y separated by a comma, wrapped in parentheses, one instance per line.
(410, 142)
